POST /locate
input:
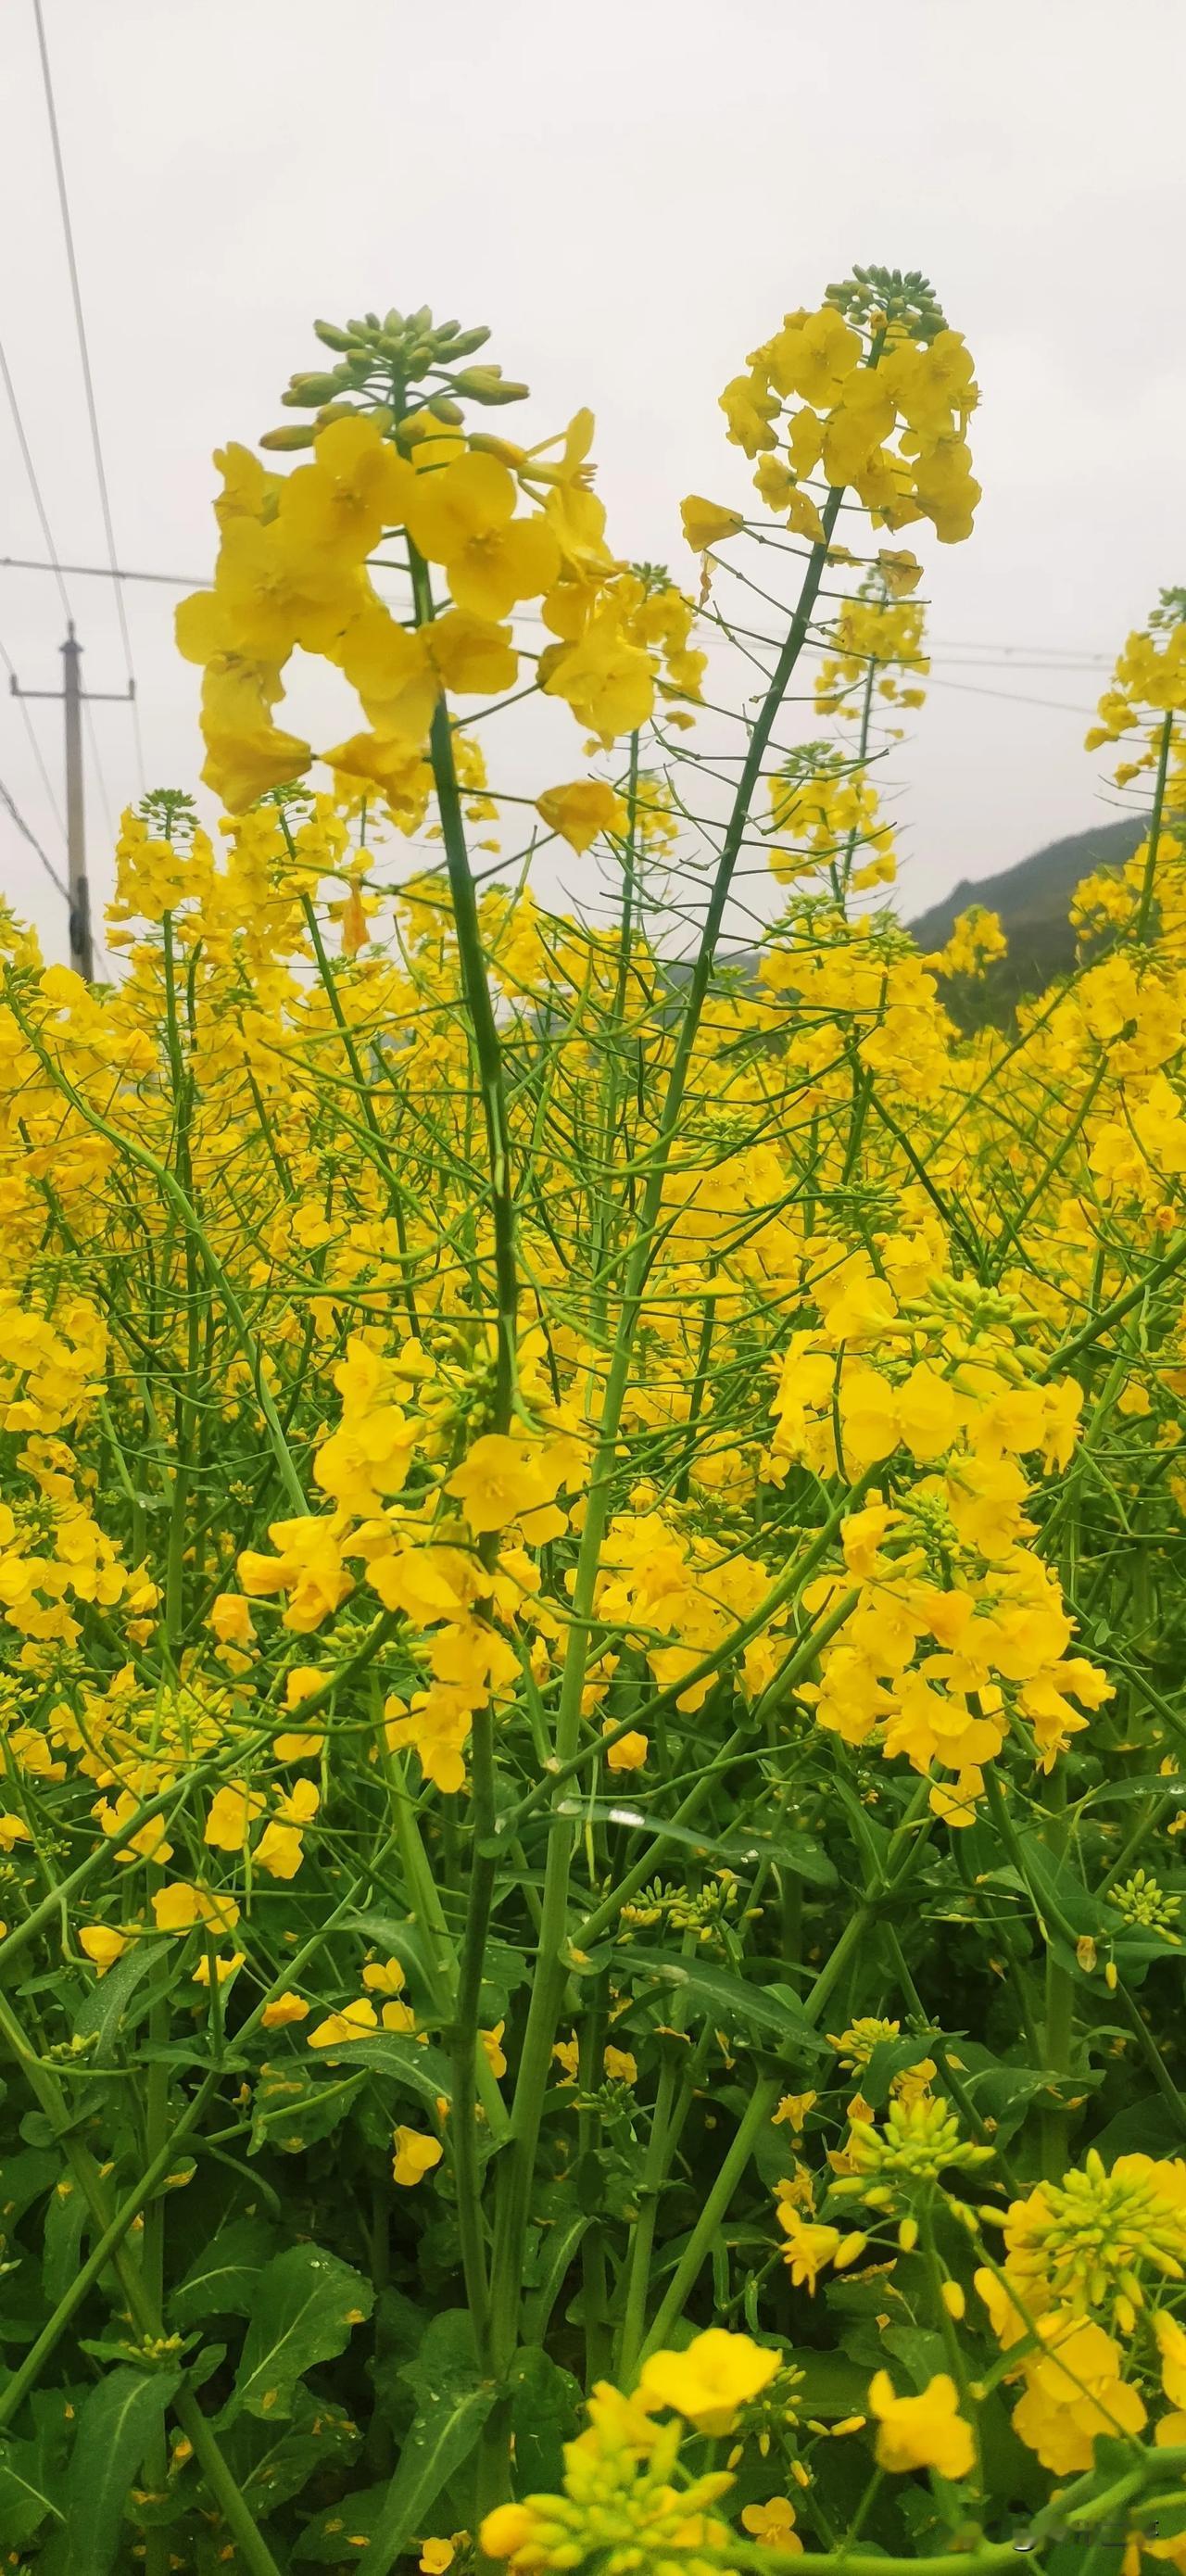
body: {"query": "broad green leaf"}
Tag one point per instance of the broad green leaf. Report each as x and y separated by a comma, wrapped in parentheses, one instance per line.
(66, 2218)
(426, 2072)
(832, 2384)
(890, 2057)
(792, 1850)
(772, 2011)
(272, 2462)
(103, 2011)
(1156, 1784)
(26, 2500)
(345, 2530)
(447, 2352)
(223, 2280)
(444, 2434)
(406, 1941)
(1059, 1886)
(24, 2178)
(296, 2105)
(305, 2308)
(119, 2420)
(545, 2413)
(1150, 2127)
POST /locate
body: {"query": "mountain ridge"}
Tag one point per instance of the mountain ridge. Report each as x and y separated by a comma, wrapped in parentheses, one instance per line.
(1033, 898)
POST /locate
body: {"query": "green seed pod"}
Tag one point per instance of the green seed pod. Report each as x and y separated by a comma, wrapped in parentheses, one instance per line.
(297, 433)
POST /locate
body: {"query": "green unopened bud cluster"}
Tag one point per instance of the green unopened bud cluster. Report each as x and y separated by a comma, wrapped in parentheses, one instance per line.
(379, 358)
(876, 298)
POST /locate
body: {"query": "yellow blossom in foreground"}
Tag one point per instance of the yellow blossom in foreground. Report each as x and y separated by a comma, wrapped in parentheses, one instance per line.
(102, 1946)
(179, 1906)
(705, 523)
(340, 2027)
(924, 2432)
(773, 2523)
(629, 1752)
(282, 2010)
(415, 2156)
(582, 810)
(709, 2383)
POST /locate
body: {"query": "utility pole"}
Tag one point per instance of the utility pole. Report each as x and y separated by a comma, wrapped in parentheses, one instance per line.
(73, 696)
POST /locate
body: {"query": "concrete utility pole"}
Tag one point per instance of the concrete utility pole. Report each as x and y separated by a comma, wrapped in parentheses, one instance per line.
(73, 695)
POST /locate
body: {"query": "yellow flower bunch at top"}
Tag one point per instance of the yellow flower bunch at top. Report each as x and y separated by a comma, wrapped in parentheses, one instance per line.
(873, 366)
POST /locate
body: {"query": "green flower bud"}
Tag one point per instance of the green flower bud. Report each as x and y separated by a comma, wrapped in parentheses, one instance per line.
(312, 389)
(297, 433)
(488, 385)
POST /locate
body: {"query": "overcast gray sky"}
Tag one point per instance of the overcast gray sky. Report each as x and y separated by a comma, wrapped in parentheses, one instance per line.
(631, 195)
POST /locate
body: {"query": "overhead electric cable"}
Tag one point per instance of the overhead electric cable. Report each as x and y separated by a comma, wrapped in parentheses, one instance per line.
(38, 754)
(34, 844)
(88, 381)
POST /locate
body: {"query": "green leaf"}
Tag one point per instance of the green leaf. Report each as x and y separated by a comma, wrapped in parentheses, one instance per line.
(1150, 2127)
(426, 2072)
(103, 2011)
(66, 2218)
(832, 2384)
(774, 2012)
(1154, 1784)
(294, 2109)
(305, 2308)
(1058, 1886)
(272, 2462)
(345, 2530)
(453, 2404)
(545, 2413)
(24, 2178)
(119, 2420)
(25, 2500)
(891, 2057)
(223, 2280)
(792, 1850)
(398, 1939)
(444, 2435)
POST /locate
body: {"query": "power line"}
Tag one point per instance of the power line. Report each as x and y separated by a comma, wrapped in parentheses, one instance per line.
(88, 382)
(104, 572)
(1055, 656)
(34, 844)
(38, 754)
(1017, 697)
(1021, 697)
(27, 455)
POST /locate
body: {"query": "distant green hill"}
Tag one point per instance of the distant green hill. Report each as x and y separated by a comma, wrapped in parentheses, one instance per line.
(1033, 901)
